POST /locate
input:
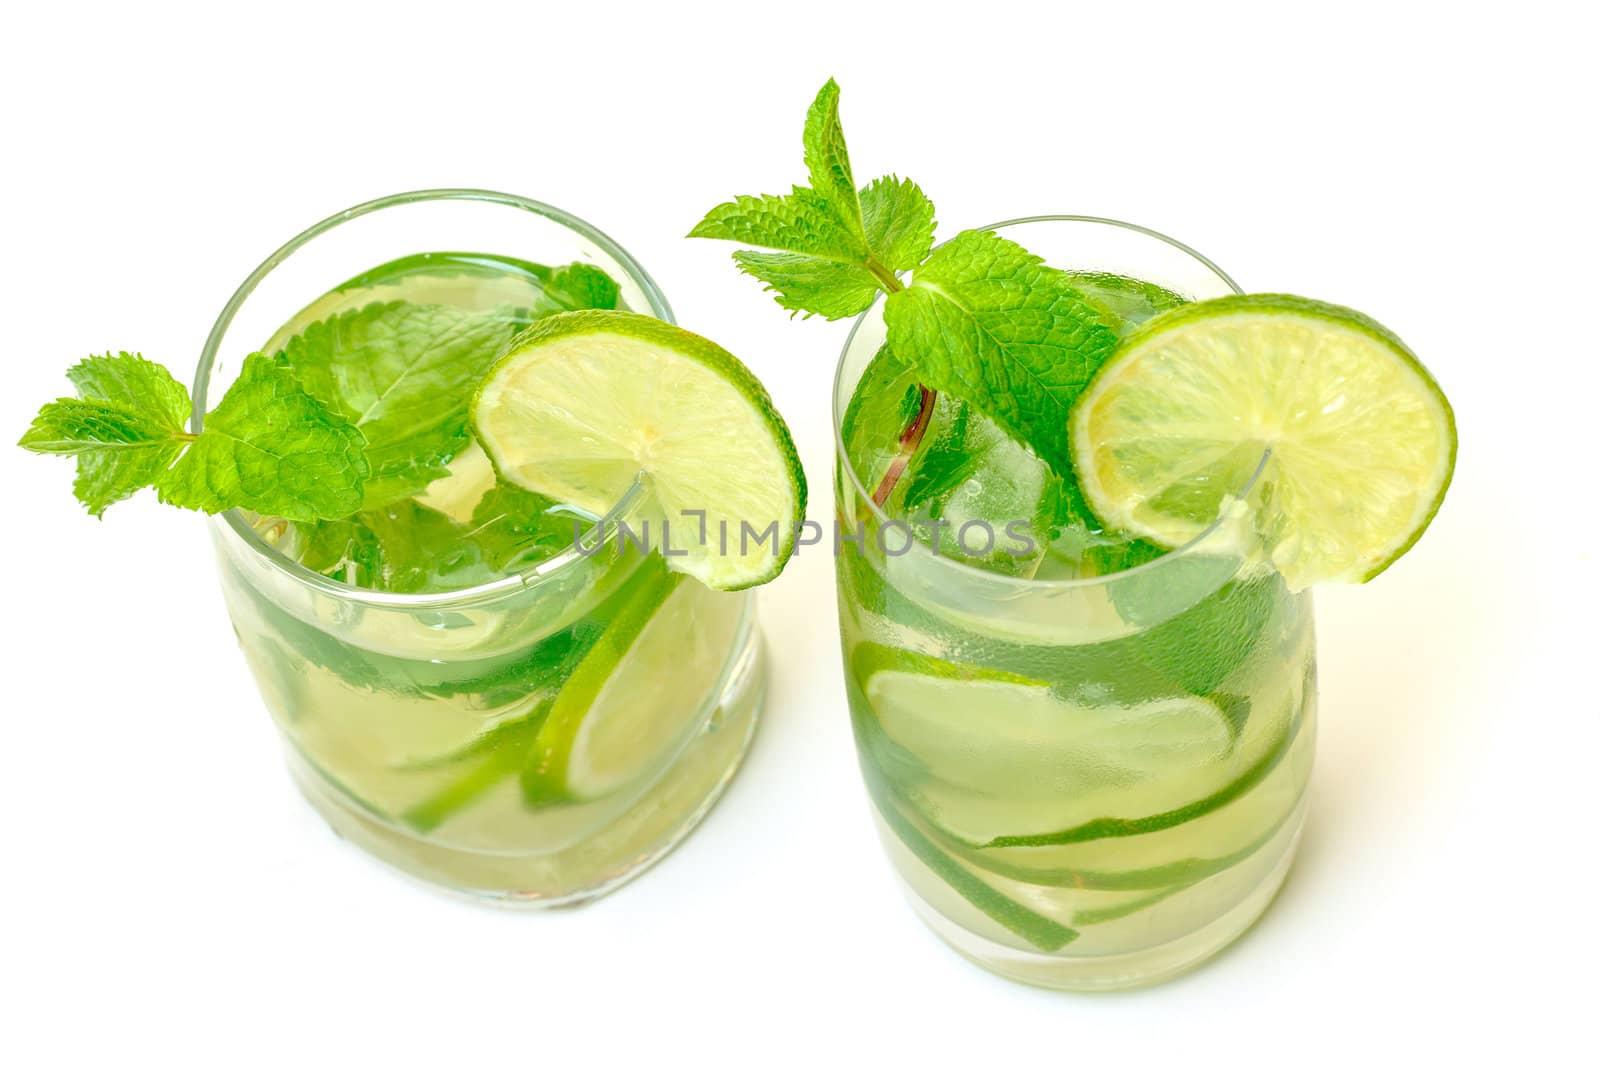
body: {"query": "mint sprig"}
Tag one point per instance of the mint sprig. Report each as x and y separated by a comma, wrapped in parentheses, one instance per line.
(269, 446)
(125, 426)
(981, 318)
(835, 247)
(334, 431)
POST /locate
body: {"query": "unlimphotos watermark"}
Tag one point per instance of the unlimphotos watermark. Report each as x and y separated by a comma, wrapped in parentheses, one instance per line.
(973, 538)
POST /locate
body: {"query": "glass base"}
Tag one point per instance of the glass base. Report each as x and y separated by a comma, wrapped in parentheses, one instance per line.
(1130, 970)
(620, 851)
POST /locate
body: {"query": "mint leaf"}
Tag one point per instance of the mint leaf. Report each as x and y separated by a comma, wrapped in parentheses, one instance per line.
(800, 222)
(403, 374)
(125, 427)
(890, 220)
(810, 285)
(820, 268)
(119, 452)
(271, 447)
(407, 547)
(345, 550)
(421, 550)
(511, 525)
(134, 383)
(575, 287)
(513, 678)
(834, 247)
(883, 406)
(268, 446)
(828, 162)
(910, 404)
(402, 547)
(899, 222)
(986, 321)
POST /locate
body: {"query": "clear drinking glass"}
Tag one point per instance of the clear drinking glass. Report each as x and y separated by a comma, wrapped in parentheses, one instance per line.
(407, 717)
(1083, 784)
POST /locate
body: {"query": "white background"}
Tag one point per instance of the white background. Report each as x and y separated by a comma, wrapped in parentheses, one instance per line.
(166, 893)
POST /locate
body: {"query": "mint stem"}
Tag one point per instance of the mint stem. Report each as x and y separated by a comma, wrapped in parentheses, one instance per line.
(910, 441)
(911, 436)
(884, 276)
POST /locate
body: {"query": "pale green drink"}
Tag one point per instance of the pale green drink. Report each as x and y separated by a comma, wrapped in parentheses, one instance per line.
(1088, 756)
(467, 688)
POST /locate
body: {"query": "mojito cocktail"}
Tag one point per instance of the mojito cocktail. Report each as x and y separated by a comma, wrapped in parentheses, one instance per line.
(1088, 756)
(1083, 485)
(441, 435)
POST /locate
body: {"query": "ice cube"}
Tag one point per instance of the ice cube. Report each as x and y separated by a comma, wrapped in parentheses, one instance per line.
(976, 495)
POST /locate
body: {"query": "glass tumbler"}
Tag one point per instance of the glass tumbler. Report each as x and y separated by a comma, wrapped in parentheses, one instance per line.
(1085, 783)
(419, 725)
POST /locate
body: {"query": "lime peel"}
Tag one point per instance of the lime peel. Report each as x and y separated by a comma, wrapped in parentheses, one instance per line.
(582, 402)
(1359, 440)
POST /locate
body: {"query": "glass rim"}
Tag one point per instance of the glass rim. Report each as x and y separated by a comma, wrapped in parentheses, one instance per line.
(967, 572)
(519, 580)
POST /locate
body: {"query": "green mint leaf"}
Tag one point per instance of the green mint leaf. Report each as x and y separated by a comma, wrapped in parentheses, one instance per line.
(885, 401)
(899, 222)
(512, 525)
(800, 222)
(576, 287)
(910, 404)
(834, 247)
(828, 162)
(135, 383)
(403, 374)
(408, 547)
(402, 547)
(421, 550)
(119, 452)
(346, 550)
(125, 428)
(986, 321)
(811, 286)
(271, 447)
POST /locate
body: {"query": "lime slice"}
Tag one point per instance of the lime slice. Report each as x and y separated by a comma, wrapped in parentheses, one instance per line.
(583, 402)
(638, 694)
(1359, 440)
(982, 736)
(997, 737)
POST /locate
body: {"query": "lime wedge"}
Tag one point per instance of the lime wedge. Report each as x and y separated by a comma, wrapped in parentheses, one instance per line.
(1360, 442)
(997, 737)
(582, 402)
(638, 693)
(992, 749)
